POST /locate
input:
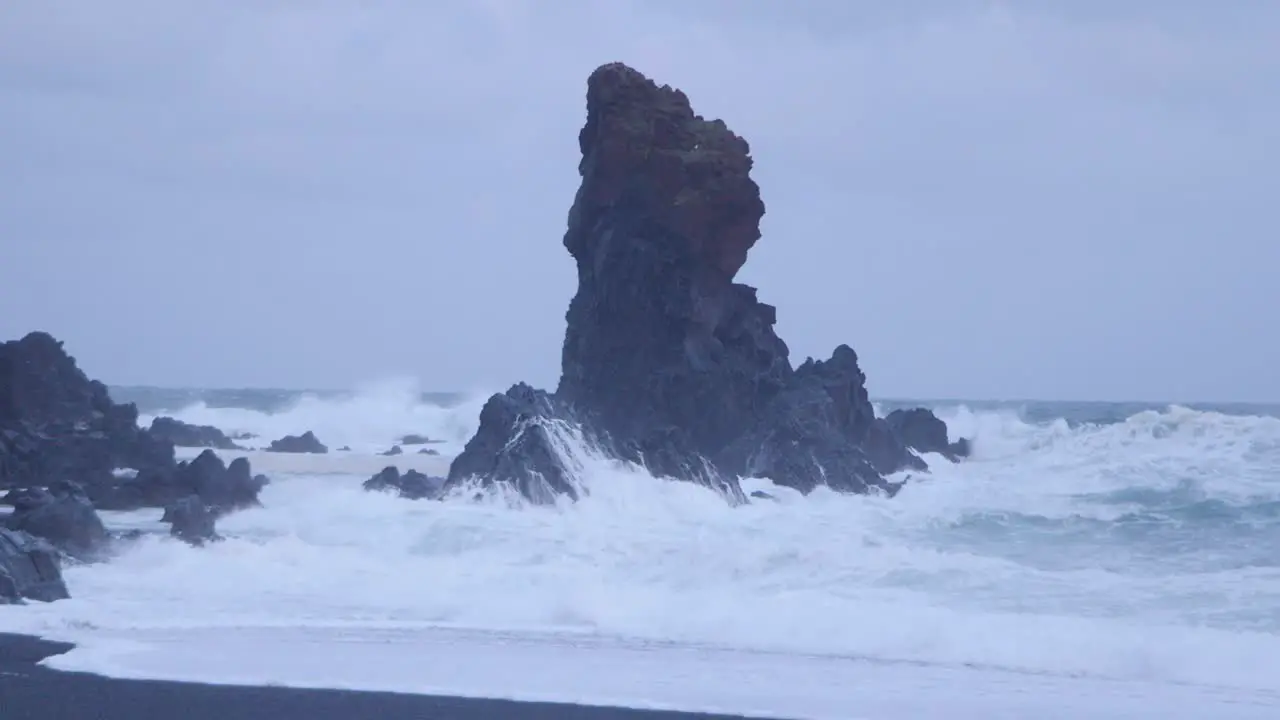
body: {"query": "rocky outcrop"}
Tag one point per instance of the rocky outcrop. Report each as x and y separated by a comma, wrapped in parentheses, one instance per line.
(395, 450)
(411, 484)
(60, 431)
(183, 434)
(61, 515)
(29, 569)
(666, 360)
(224, 487)
(57, 424)
(516, 445)
(192, 521)
(307, 442)
(924, 432)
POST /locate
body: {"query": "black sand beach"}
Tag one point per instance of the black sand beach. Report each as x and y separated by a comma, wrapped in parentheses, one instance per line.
(29, 691)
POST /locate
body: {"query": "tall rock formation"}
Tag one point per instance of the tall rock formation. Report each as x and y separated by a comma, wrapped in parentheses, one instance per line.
(666, 360)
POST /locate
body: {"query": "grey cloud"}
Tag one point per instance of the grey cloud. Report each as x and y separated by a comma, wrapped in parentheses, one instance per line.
(1042, 199)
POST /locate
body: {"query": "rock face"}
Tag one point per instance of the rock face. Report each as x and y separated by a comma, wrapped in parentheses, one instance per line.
(66, 451)
(29, 569)
(922, 431)
(666, 360)
(56, 423)
(187, 435)
(307, 442)
(62, 515)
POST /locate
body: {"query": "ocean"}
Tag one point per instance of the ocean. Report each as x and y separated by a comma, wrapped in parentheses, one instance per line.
(1091, 560)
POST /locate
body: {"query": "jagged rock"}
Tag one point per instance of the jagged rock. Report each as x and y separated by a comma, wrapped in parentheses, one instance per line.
(922, 431)
(191, 521)
(61, 515)
(223, 487)
(395, 450)
(428, 451)
(411, 484)
(514, 445)
(183, 434)
(307, 442)
(56, 423)
(666, 360)
(60, 430)
(29, 569)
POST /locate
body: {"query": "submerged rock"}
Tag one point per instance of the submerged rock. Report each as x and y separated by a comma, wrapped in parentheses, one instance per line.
(411, 484)
(307, 442)
(666, 360)
(191, 521)
(29, 569)
(183, 434)
(412, 439)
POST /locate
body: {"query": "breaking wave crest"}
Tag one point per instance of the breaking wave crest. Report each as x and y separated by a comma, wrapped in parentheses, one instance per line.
(1140, 548)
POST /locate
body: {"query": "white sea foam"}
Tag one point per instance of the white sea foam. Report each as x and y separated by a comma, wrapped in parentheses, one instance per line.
(369, 420)
(1135, 553)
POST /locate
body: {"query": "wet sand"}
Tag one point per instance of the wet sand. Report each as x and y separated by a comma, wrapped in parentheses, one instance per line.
(29, 691)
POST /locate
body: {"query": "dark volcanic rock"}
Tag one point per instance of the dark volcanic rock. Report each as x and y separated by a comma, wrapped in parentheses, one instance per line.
(191, 521)
(514, 445)
(922, 431)
(62, 515)
(56, 423)
(666, 360)
(307, 442)
(187, 435)
(223, 487)
(410, 484)
(68, 449)
(29, 569)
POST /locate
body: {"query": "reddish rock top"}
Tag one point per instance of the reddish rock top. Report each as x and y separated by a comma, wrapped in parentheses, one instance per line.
(697, 171)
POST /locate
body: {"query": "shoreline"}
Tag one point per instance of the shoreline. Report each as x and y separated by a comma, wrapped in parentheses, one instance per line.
(30, 691)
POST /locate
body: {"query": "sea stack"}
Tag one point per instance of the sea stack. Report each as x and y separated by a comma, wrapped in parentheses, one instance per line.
(666, 360)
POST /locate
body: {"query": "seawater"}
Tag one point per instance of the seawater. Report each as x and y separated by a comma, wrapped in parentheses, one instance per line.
(1111, 541)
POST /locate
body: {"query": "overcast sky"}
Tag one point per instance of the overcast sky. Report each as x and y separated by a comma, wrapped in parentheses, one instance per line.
(1072, 200)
